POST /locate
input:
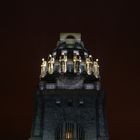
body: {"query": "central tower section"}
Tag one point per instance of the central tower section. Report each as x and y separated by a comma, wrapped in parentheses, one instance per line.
(69, 100)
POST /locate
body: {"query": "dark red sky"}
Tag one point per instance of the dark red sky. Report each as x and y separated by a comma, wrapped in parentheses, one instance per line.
(30, 30)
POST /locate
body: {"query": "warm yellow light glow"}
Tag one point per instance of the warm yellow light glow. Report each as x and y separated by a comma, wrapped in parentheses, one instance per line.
(68, 135)
(90, 56)
(97, 60)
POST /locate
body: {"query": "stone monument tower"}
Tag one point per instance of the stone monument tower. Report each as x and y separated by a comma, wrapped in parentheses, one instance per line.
(69, 100)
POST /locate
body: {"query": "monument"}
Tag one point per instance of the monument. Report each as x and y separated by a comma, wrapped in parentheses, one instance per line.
(69, 99)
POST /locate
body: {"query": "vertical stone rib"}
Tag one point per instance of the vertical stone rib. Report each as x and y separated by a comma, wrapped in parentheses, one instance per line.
(37, 122)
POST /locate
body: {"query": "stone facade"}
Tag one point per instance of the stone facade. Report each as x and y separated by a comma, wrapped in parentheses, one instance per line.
(79, 107)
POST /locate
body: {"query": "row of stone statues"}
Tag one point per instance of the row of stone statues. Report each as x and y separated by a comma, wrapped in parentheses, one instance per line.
(78, 66)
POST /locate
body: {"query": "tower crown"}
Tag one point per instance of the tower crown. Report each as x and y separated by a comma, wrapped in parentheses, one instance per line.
(70, 56)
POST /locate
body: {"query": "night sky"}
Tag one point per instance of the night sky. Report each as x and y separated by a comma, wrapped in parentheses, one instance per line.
(30, 30)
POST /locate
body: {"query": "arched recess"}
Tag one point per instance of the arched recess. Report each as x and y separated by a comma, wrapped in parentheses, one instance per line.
(69, 131)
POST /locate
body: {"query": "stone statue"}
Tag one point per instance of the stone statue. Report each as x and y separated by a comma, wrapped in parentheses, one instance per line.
(76, 62)
(89, 64)
(43, 68)
(96, 68)
(51, 62)
(63, 62)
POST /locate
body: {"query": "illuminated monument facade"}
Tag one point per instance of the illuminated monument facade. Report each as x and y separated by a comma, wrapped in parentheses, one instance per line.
(69, 99)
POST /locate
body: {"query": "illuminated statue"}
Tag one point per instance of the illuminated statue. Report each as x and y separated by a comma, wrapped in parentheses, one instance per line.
(43, 68)
(63, 62)
(76, 61)
(51, 61)
(96, 68)
(89, 64)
